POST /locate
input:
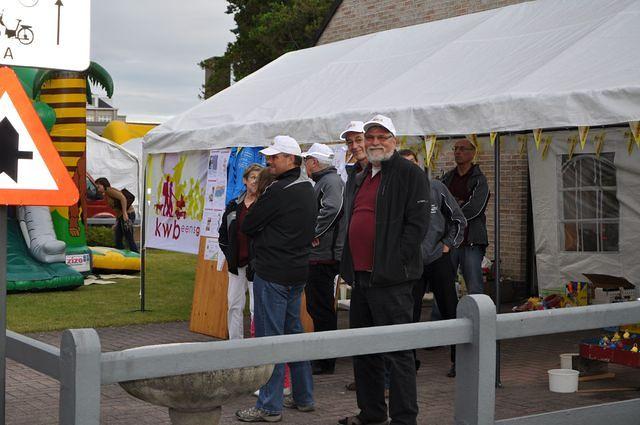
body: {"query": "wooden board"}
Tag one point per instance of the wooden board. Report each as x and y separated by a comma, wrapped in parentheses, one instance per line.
(209, 308)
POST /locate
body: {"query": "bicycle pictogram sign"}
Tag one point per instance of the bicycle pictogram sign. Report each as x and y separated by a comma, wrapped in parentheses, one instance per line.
(22, 33)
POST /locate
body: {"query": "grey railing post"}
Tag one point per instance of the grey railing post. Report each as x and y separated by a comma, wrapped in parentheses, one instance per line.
(80, 377)
(476, 363)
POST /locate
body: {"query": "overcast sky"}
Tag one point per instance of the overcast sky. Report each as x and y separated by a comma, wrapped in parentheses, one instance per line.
(151, 48)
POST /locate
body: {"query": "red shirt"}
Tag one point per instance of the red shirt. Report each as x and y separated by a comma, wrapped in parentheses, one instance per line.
(242, 239)
(362, 228)
(459, 188)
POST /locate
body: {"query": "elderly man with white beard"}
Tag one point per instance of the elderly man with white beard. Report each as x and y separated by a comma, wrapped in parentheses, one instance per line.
(387, 218)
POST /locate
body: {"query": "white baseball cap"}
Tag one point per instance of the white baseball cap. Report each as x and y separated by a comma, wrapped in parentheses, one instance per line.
(354, 126)
(319, 151)
(283, 144)
(380, 121)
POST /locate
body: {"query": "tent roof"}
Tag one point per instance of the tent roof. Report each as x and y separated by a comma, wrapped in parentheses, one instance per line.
(541, 64)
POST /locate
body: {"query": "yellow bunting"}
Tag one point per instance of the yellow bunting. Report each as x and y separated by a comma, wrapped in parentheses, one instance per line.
(546, 142)
(473, 138)
(635, 130)
(523, 139)
(582, 133)
(436, 155)
(429, 146)
(630, 141)
(403, 142)
(537, 134)
(492, 138)
(573, 141)
(599, 141)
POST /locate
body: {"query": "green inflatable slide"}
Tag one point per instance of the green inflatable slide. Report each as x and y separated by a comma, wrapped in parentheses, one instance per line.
(24, 273)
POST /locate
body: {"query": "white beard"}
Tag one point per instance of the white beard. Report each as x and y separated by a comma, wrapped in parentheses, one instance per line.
(378, 155)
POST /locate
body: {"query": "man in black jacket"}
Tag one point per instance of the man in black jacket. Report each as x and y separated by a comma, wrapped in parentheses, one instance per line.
(281, 224)
(387, 215)
(469, 186)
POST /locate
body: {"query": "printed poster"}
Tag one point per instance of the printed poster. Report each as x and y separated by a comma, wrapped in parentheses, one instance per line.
(216, 192)
(176, 199)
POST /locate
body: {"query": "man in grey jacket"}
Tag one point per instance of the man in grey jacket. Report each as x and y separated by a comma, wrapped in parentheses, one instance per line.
(326, 246)
(445, 233)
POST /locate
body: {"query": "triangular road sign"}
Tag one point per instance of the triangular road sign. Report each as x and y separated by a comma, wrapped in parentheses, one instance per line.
(31, 171)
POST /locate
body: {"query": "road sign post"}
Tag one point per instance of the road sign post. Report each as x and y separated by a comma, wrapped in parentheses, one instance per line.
(3, 303)
(31, 173)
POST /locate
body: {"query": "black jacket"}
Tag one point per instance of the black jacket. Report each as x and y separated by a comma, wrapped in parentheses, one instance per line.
(228, 236)
(446, 226)
(402, 219)
(281, 224)
(475, 207)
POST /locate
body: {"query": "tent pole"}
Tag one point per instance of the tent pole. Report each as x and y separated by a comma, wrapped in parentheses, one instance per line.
(496, 228)
(143, 225)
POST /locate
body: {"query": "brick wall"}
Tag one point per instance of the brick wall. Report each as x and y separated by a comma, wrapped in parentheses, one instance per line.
(514, 174)
(359, 17)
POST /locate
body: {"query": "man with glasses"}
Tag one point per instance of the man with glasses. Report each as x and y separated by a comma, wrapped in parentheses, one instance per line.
(469, 186)
(326, 246)
(281, 225)
(386, 211)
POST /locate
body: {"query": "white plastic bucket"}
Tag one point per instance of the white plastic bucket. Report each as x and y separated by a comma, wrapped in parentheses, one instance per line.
(563, 380)
(566, 360)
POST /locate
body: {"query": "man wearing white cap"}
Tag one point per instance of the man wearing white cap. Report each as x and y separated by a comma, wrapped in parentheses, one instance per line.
(281, 225)
(327, 245)
(387, 217)
(353, 137)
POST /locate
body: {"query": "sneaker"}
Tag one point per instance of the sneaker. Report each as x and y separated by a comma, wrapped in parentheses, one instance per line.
(253, 414)
(289, 403)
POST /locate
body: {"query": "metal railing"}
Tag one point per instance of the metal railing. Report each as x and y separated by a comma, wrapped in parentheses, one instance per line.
(81, 368)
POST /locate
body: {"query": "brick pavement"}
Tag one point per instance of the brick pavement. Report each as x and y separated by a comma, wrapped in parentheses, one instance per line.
(32, 398)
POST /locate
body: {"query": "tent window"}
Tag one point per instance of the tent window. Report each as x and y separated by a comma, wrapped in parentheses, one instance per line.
(589, 211)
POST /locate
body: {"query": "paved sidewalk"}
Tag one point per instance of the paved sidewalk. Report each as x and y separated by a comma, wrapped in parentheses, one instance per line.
(32, 398)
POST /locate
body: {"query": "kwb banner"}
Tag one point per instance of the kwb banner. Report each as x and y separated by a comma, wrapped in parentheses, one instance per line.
(177, 185)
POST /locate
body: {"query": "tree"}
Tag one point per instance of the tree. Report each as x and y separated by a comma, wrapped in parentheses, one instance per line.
(265, 30)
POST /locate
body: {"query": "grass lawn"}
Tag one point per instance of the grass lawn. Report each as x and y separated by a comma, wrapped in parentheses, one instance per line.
(169, 292)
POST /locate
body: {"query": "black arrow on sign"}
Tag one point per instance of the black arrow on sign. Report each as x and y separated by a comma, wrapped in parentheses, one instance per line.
(59, 4)
(10, 153)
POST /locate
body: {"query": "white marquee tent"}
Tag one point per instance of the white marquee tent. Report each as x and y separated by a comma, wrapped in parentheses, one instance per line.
(108, 159)
(541, 64)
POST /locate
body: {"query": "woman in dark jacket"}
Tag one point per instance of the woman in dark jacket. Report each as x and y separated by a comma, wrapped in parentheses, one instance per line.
(235, 246)
(125, 214)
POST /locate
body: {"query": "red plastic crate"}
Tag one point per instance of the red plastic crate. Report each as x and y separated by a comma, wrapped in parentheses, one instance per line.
(590, 349)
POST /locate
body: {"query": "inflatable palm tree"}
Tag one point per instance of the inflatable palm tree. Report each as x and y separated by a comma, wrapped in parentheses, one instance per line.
(67, 93)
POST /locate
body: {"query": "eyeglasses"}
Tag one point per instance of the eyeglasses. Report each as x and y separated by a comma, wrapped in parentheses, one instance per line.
(462, 149)
(371, 138)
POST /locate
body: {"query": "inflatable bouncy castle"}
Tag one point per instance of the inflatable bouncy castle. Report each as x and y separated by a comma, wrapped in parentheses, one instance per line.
(47, 248)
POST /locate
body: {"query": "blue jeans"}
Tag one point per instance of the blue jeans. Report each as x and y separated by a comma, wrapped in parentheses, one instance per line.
(469, 258)
(277, 312)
